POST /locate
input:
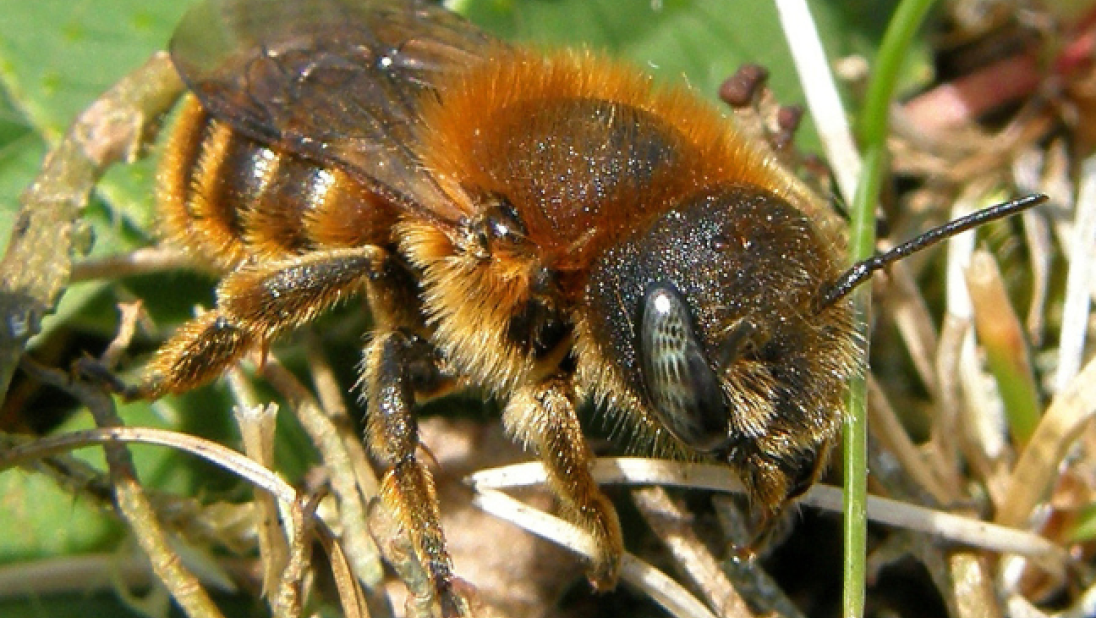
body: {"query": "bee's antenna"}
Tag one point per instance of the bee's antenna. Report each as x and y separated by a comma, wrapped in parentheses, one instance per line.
(863, 270)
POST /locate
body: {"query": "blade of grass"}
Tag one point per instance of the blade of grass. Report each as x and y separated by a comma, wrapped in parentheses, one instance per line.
(1002, 336)
(1075, 312)
(820, 89)
(873, 132)
(855, 445)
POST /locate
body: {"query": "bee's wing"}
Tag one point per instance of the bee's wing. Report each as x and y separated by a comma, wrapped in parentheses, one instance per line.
(337, 81)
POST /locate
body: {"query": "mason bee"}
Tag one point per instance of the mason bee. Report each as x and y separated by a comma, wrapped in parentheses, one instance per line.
(550, 228)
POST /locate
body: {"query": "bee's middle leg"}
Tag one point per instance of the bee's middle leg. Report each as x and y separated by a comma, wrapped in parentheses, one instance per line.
(399, 368)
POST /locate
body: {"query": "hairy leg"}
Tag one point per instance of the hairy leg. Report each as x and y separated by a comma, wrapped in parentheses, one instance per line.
(256, 303)
(399, 368)
(543, 416)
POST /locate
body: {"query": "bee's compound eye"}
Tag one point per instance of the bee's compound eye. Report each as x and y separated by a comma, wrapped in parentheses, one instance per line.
(684, 391)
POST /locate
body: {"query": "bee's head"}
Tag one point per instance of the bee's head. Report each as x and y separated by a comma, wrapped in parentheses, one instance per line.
(710, 320)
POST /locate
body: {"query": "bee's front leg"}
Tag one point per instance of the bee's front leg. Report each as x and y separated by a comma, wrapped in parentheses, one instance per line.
(400, 367)
(544, 417)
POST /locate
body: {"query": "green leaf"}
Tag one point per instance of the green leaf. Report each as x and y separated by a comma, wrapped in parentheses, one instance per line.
(56, 57)
(54, 521)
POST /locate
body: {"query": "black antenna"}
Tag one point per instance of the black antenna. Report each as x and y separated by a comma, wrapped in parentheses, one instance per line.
(862, 271)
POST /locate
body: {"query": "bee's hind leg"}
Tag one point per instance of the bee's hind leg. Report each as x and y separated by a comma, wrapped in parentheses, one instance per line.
(256, 303)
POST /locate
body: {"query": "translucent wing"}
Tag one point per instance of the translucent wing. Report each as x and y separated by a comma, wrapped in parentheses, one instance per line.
(338, 81)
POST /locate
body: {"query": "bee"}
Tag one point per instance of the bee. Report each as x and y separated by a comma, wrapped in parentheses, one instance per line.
(550, 228)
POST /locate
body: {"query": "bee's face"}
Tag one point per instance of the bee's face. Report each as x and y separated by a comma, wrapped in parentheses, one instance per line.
(710, 318)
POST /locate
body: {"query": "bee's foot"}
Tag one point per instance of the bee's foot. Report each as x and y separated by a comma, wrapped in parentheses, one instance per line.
(94, 371)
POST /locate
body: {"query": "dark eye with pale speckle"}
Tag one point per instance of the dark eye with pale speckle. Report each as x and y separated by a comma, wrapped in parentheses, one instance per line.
(683, 389)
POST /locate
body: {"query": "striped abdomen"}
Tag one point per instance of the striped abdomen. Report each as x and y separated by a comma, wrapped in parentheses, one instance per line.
(227, 198)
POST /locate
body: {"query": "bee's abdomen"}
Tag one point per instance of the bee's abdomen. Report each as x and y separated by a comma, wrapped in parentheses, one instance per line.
(228, 199)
